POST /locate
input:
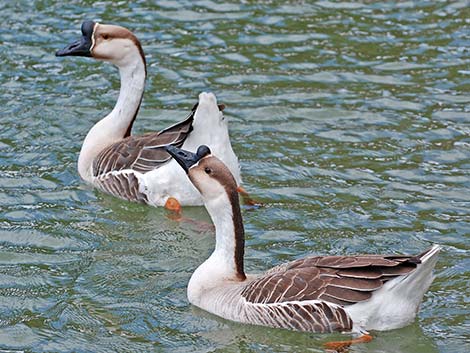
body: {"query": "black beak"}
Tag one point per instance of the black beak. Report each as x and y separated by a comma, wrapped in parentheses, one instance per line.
(185, 158)
(81, 47)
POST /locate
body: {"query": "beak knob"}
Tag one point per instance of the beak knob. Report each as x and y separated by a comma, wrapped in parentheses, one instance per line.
(185, 158)
(82, 46)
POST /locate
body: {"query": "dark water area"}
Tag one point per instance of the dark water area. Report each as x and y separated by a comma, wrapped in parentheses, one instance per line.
(352, 124)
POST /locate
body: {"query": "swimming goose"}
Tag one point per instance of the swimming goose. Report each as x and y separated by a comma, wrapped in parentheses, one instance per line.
(138, 168)
(316, 293)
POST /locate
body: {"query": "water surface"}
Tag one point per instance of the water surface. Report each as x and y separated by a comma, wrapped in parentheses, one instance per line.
(352, 124)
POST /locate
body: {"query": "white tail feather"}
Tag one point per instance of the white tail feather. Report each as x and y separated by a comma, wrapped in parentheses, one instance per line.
(397, 302)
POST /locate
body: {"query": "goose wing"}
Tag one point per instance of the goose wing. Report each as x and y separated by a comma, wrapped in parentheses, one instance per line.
(142, 153)
(342, 280)
(309, 294)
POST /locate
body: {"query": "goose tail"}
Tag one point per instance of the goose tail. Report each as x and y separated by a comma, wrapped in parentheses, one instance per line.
(396, 304)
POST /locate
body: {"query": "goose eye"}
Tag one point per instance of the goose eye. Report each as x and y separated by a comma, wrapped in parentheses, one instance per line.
(105, 36)
(207, 170)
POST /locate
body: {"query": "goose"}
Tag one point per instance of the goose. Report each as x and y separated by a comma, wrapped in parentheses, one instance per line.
(317, 293)
(137, 167)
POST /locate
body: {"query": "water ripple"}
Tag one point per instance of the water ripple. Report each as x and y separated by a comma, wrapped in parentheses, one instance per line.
(351, 123)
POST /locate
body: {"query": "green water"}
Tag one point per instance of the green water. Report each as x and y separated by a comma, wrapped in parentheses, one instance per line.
(352, 124)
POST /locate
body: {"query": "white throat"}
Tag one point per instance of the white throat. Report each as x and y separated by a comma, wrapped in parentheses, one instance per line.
(220, 266)
(114, 126)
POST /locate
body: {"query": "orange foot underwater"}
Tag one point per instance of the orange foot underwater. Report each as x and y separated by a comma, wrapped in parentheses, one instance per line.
(174, 206)
(247, 200)
(176, 214)
(342, 346)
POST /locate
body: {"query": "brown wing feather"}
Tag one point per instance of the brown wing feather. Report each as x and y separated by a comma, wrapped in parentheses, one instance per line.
(143, 153)
(341, 280)
(125, 185)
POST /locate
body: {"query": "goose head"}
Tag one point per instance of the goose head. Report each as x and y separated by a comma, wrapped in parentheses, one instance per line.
(111, 43)
(207, 173)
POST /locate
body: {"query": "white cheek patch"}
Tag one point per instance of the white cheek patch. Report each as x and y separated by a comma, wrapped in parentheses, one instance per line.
(197, 164)
(194, 165)
(93, 37)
